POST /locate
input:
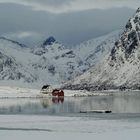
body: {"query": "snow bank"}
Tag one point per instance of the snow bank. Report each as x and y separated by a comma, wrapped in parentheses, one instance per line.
(54, 127)
(22, 135)
(17, 92)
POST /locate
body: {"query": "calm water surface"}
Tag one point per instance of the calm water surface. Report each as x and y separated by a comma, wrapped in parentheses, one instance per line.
(118, 104)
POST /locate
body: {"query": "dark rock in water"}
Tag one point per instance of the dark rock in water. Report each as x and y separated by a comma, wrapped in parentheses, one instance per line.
(96, 111)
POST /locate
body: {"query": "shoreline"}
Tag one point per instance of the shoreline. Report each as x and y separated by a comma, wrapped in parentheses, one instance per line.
(17, 92)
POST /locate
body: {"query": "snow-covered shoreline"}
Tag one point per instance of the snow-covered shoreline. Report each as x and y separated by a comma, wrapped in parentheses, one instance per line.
(18, 92)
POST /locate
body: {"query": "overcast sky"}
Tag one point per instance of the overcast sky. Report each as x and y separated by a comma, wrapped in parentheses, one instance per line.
(69, 21)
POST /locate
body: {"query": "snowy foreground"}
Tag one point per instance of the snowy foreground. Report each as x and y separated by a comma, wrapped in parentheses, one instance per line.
(55, 128)
(65, 127)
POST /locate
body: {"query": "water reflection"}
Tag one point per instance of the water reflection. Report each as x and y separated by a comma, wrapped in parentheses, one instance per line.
(57, 100)
(117, 104)
(46, 102)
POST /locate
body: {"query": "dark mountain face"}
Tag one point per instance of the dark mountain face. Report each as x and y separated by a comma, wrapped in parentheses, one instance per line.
(129, 40)
(49, 41)
(121, 68)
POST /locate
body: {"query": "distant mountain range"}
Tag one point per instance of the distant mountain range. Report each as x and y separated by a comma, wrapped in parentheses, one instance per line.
(50, 62)
(121, 68)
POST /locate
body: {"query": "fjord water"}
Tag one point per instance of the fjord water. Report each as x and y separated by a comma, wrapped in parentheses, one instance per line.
(55, 118)
(118, 104)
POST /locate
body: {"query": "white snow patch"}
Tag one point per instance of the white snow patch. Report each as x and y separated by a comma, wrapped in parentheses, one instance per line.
(54, 127)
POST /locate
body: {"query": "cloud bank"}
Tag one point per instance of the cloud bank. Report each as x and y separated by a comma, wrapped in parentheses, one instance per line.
(65, 6)
(69, 21)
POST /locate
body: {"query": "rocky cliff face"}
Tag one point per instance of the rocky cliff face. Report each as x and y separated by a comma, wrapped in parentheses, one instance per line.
(119, 70)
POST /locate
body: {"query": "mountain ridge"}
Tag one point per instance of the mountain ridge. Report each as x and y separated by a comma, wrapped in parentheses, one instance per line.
(121, 68)
(52, 63)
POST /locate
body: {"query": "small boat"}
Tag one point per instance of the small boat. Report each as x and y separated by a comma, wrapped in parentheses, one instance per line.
(96, 111)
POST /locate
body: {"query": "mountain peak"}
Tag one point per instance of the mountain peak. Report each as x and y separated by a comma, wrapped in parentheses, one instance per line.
(119, 69)
(49, 41)
(129, 41)
(138, 10)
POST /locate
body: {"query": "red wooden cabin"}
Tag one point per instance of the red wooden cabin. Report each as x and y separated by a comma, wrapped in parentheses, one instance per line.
(58, 93)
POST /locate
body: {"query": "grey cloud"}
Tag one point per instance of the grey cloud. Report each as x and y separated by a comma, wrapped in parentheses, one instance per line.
(51, 2)
(69, 28)
(52, 6)
(65, 6)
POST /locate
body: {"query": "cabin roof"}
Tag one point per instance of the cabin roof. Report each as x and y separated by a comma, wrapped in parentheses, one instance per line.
(46, 86)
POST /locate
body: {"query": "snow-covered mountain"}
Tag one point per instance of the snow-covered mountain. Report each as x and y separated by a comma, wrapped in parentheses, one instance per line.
(13, 59)
(121, 69)
(56, 64)
(50, 62)
(94, 50)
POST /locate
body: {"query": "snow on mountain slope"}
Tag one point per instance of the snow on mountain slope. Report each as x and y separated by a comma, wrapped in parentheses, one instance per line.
(94, 50)
(56, 63)
(12, 49)
(121, 69)
(64, 64)
(11, 68)
(50, 62)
